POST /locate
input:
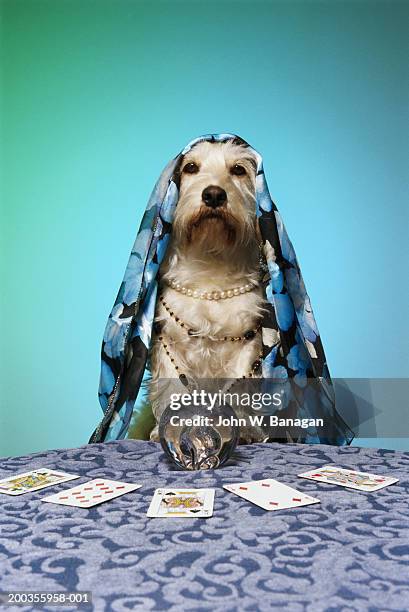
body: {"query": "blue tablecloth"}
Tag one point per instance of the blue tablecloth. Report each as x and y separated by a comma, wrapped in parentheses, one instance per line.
(350, 552)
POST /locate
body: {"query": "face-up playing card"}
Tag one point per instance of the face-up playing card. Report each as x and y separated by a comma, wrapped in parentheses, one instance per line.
(91, 493)
(270, 494)
(362, 481)
(33, 481)
(176, 503)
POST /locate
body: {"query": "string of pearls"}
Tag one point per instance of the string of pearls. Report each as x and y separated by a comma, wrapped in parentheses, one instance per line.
(211, 295)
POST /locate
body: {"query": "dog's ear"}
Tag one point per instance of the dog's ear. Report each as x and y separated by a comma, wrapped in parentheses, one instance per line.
(259, 237)
(178, 171)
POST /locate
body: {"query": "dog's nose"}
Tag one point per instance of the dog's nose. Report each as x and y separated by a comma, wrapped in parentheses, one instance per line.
(214, 196)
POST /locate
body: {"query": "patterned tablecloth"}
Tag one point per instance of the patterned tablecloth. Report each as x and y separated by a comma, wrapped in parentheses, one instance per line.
(350, 552)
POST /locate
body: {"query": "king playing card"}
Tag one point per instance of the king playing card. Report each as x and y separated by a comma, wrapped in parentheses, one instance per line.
(362, 481)
(173, 503)
(33, 481)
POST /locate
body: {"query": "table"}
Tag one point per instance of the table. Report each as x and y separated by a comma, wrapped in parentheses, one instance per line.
(350, 552)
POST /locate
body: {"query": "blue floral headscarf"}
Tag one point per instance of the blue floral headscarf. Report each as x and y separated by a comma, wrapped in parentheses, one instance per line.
(298, 359)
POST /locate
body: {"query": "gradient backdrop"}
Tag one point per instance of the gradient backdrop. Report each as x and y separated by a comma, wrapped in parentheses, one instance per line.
(98, 96)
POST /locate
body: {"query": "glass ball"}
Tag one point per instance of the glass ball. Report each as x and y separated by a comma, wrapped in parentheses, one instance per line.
(196, 438)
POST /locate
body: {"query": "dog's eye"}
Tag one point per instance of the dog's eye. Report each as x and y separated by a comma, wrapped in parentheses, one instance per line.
(191, 168)
(238, 170)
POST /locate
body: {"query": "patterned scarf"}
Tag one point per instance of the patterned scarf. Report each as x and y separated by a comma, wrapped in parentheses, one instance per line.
(297, 360)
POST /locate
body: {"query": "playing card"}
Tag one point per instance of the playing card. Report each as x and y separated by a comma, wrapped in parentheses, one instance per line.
(170, 503)
(270, 494)
(91, 493)
(33, 481)
(362, 481)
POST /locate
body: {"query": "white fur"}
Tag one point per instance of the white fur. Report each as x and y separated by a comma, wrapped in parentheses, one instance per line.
(209, 261)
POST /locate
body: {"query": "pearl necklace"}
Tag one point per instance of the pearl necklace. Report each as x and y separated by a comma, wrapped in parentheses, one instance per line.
(211, 295)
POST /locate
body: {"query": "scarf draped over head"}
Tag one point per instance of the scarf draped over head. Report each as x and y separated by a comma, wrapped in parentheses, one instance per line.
(298, 359)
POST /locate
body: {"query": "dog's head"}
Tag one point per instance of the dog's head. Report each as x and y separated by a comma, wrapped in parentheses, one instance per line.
(216, 207)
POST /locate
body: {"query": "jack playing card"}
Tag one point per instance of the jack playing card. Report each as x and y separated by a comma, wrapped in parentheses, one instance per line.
(270, 494)
(171, 503)
(33, 481)
(362, 481)
(91, 493)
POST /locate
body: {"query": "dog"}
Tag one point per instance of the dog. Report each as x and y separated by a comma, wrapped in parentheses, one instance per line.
(207, 319)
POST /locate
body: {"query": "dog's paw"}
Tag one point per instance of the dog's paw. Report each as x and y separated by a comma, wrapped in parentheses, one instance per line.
(252, 435)
(154, 437)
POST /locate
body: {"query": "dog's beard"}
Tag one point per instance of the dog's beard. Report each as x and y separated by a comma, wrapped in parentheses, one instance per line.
(212, 230)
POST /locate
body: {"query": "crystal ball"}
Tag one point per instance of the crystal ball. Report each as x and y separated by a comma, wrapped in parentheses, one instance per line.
(196, 438)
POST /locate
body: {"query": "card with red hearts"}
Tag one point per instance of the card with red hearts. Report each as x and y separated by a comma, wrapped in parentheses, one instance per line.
(91, 493)
(362, 481)
(270, 494)
(33, 481)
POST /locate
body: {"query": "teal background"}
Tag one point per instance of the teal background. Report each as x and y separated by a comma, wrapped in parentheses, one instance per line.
(98, 96)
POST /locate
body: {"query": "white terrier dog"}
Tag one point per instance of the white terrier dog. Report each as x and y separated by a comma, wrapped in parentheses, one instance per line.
(210, 301)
